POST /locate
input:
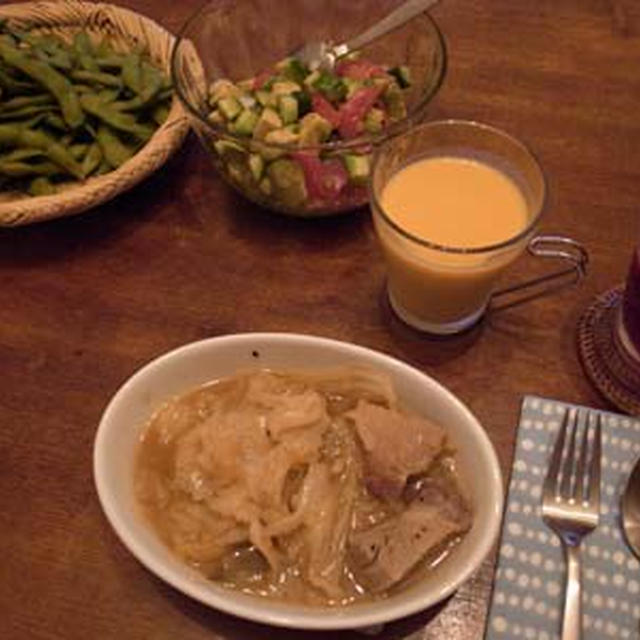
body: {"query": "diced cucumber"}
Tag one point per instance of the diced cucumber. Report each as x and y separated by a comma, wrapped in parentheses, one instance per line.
(358, 168)
(268, 121)
(402, 75)
(229, 107)
(333, 88)
(293, 69)
(352, 85)
(288, 108)
(304, 102)
(256, 166)
(311, 78)
(245, 123)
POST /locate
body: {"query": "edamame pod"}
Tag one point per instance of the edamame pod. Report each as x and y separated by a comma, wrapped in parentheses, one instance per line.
(49, 78)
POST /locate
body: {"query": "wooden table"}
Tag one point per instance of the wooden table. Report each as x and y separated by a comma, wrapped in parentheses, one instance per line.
(85, 301)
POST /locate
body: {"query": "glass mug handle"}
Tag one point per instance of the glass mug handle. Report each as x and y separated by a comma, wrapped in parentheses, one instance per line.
(571, 252)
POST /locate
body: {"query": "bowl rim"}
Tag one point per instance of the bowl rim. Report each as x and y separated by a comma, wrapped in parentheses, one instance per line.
(394, 128)
(259, 610)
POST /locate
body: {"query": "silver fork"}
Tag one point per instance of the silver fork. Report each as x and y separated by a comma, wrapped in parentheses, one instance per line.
(571, 502)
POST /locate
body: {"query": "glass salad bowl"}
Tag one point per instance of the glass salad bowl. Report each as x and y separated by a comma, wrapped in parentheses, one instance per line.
(293, 139)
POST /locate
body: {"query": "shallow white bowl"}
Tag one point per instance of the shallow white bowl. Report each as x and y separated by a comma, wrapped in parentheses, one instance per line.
(199, 362)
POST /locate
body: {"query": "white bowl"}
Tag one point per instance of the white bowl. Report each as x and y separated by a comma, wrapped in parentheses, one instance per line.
(186, 367)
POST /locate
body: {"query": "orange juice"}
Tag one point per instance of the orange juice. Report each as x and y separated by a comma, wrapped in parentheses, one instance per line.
(452, 212)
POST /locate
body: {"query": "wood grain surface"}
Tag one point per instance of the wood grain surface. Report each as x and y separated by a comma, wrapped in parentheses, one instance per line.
(85, 301)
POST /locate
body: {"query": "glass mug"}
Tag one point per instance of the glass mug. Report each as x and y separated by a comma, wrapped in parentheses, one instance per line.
(446, 289)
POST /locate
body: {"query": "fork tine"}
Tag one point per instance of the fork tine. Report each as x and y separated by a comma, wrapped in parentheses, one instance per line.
(594, 471)
(580, 492)
(569, 461)
(553, 472)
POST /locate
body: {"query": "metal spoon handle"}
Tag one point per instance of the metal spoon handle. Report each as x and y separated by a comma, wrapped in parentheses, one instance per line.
(393, 20)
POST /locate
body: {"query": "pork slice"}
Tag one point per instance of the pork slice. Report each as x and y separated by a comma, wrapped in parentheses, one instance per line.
(443, 494)
(384, 554)
(396, 446)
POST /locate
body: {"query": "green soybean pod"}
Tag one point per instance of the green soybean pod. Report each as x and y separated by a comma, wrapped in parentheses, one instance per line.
(22, 155)
(14, 86)
(97, 77)
(26, 101)
(132, 72)
(83, 49)
(92, 159)
(124, 122)
(151, 84)
(41, 186)
(49, 78)
(114, 151)
(52, 149)
(17, 169)
(10, 135)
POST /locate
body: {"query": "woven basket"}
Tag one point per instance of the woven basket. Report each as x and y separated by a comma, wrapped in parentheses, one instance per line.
(126, 29)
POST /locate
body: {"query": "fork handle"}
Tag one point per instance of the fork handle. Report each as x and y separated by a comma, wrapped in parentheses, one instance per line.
(572, 614)
(395, 19)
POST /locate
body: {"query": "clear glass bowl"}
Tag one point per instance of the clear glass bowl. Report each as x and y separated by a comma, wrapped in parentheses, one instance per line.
(238, 40)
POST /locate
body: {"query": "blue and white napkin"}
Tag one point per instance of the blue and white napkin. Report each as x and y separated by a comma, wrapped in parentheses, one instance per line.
(529, 586)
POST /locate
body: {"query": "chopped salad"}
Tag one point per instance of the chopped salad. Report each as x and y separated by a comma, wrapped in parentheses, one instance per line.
(278, 119)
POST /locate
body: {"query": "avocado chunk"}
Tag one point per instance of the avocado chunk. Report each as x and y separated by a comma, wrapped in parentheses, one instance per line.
(265, 186)
(245, 123)
(268, 121)
(283, 87)
(394, 99)
(229, 107)
(266, 98)
(256, 166)
(358, 168)
(374, 120)
(282, 136)
(314, 129)
(229, 149)
(287, 182)
(222, 88)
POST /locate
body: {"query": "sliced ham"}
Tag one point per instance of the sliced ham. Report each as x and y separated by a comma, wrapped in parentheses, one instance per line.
(396, 446)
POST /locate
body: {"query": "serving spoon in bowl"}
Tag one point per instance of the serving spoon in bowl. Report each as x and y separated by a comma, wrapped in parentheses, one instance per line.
(631, 510)
(323, 54)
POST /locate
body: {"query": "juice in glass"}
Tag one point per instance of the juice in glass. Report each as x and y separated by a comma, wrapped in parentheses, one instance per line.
(450, 215)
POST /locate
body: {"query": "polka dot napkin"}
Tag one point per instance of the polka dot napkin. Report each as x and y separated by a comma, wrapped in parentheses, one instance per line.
(529, 586)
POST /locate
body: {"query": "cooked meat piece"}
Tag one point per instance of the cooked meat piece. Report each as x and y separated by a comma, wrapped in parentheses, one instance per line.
(396, 446)
(385, 553)
(443, 494)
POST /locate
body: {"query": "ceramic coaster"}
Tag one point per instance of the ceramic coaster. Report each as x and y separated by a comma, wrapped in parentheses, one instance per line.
(607, 368)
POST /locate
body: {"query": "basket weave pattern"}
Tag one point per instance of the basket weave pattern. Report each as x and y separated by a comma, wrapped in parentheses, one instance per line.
(126, 28)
